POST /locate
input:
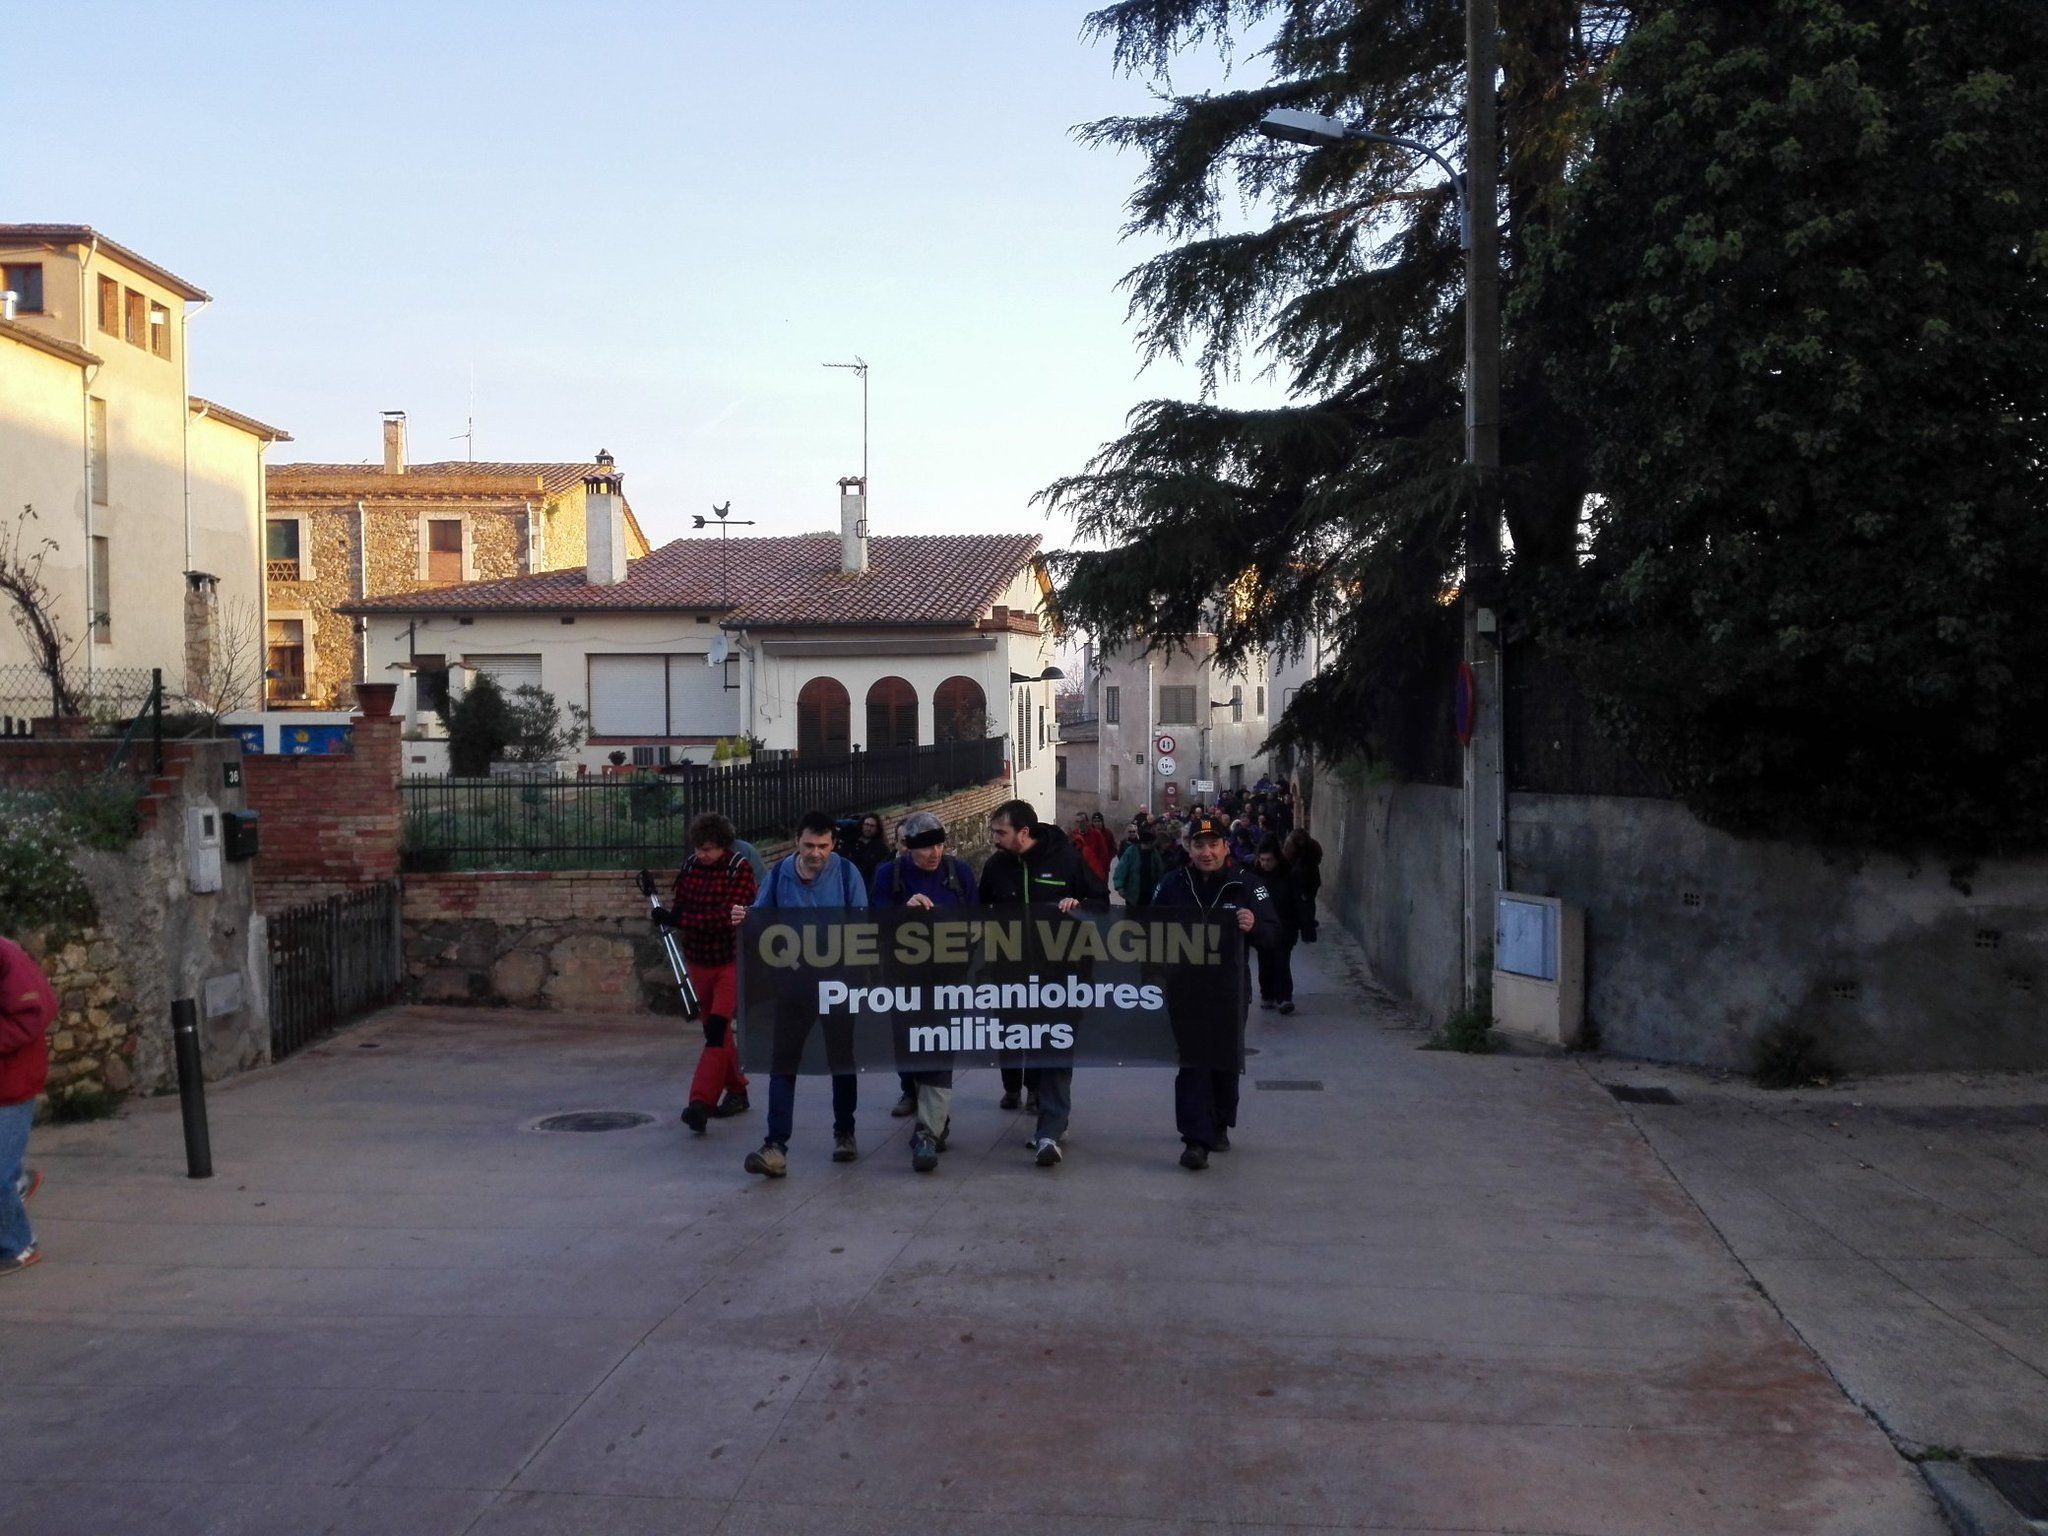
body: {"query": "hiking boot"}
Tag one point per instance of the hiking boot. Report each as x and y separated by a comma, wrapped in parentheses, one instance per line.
(770, 1160)
(696, 1117)
(1009, 1101)
(30, 1181)
(924, 1150)
(1048, 1153)
(19, 1262)
(1222, 1141)
(904, 1107)
(843, 1148)
(1287, 1007)
(732, 1104)
(1195, 1157)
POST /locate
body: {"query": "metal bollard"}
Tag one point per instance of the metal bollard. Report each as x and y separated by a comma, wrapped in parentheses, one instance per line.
(191, 1088)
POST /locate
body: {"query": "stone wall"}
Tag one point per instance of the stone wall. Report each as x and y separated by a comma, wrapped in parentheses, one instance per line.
(580, 941)
(1699, 942)
(157, 940)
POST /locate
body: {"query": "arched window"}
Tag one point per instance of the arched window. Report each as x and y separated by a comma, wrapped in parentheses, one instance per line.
(959, 711)
(892, 715)
(824, 719)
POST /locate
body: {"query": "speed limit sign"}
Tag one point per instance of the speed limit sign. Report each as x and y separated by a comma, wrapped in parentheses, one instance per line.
(1166, 745)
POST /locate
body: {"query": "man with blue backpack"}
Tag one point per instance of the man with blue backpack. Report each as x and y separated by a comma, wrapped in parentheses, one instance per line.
(924, 876)
(813, 876)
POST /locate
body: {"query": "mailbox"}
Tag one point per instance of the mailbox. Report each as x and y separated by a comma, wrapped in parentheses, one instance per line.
(238, 835)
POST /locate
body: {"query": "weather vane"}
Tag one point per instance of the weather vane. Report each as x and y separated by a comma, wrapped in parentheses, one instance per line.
(725, 528)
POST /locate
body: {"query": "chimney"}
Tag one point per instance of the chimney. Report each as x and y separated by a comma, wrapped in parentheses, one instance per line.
(853, 524)
(604, 525)
(394, 442)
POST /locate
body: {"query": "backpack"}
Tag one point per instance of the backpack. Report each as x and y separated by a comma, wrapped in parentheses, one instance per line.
(900, 876)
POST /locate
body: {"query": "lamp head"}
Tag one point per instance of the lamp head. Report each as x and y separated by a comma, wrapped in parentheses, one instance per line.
(1291, 125)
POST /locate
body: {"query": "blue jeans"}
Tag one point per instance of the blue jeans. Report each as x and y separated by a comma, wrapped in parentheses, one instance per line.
(14, 1230)
(1055, 1089)
(782, 1105)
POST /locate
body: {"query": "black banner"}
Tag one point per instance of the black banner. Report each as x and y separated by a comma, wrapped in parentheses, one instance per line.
(927, 991)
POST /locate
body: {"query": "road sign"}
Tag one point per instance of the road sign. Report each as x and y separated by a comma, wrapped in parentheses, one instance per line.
(1166, 767)
(1166, 745)
(1204, 786)
(1172, 795)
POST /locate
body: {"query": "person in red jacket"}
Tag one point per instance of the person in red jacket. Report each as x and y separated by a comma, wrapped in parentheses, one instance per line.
(717, 879)
(1093, 843)
(27, 1008)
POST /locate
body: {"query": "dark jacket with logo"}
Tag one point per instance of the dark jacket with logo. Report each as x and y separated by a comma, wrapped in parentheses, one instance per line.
(1230, 888)
(1052, 871)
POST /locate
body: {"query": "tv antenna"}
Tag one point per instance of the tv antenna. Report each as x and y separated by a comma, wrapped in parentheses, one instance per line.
(859, 366)
(725, 528)
(468, 432)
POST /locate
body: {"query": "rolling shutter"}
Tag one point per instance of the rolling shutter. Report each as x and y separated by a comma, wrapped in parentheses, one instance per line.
(699, 703)
(510, 673)
(628, 696)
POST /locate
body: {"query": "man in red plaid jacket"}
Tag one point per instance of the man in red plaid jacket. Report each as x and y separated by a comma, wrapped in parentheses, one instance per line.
(717, 879)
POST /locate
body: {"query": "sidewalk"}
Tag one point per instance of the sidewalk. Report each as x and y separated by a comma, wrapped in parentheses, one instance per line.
(1431, 1293)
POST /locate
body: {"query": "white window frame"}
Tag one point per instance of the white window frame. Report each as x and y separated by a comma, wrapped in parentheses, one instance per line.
(306, 571)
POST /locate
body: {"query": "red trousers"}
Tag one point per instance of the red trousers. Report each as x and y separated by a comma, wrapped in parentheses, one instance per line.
(718, 1069)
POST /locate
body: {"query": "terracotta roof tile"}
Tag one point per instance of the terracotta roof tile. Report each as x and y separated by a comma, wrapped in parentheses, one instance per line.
(790, 582)
(492, 477)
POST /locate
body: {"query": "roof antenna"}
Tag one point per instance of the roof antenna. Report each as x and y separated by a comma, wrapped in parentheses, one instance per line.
(468, 432)
(859, 366)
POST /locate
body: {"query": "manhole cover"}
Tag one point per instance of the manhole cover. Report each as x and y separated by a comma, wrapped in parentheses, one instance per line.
(1289, 1084)
(2023, 1480)
(594, 1120)
(1628, 1093)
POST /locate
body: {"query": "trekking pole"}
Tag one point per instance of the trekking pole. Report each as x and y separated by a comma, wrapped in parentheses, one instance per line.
(671, 948)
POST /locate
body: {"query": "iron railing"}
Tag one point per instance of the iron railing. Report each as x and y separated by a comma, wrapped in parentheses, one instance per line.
(331, 961)
(625, 823)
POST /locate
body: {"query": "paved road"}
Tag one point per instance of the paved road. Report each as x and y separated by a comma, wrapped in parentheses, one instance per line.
(1436, 1293)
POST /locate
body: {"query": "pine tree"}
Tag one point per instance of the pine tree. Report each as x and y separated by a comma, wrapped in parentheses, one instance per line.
(1343, 509)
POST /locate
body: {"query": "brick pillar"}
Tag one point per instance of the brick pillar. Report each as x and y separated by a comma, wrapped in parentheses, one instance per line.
(379, 759)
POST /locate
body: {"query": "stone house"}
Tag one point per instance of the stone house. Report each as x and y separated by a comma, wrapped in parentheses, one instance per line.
(815, 644)
(150, 498)
(340, 533)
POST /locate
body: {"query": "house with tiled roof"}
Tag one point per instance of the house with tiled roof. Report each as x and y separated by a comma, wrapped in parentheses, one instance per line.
(819, 644)
(147, 498)
(341, 533)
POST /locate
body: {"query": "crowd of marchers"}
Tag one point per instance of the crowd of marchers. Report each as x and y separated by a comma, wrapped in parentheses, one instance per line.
(1242, 858)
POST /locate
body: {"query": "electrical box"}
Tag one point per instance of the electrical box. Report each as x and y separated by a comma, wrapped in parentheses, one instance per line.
(238, 835)
(1539, 968)
(202, 847)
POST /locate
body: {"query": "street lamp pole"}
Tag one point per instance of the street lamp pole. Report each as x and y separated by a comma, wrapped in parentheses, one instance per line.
(1484, 844)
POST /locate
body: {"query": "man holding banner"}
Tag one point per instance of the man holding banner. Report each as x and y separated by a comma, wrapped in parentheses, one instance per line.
(813, 876)
(1205, 1098)
(1036, 864)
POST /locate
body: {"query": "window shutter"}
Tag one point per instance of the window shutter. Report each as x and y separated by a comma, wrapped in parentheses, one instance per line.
(629, 696)
(699, 703)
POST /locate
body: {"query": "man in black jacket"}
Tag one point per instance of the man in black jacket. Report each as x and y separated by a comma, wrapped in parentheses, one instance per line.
(1035, 865)
(1204, 1099)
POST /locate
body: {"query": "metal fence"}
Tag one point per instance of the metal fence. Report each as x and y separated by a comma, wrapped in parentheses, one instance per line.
(1555, 744)
(107, 694)
(331, 961)
(630, 822)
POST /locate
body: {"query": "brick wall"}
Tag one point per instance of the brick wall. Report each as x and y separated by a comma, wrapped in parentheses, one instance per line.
(580, 940)
(327, 823)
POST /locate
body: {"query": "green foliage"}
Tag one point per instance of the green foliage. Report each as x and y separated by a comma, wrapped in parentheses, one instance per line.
(1796, 304)
(481, 726)
(99, 812)
(1469, 1030)
(542, 732)
(1790, 1056)
(39, 886)
(1342, 512)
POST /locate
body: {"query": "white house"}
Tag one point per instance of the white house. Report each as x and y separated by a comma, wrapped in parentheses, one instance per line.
(815, 643)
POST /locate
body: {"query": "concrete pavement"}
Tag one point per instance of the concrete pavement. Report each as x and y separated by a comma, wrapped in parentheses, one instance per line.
(1432, 1293)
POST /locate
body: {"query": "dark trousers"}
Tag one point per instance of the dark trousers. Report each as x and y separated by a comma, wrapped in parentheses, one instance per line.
(782, 1104)
(1017, 1079)
(1276, 972)
(1204, 1102)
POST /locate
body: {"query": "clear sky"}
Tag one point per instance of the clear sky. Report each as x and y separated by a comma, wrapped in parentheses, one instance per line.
(638, 226)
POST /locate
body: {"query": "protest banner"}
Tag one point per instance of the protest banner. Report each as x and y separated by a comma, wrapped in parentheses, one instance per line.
(920, 991)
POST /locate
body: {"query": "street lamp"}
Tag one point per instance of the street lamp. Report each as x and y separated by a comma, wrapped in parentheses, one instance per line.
(1291, 125)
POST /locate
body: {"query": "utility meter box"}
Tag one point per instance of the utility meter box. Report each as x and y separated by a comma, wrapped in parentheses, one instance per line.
(1539, 968)
(202, 847)
(238, 835)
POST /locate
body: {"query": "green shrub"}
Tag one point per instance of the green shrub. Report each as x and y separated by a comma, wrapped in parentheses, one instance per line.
(39, 887)
(83, 1101)
(481, 726)
(1469, 1030)
(98, 812)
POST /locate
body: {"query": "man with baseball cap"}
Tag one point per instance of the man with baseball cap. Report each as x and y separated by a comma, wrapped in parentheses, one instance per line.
(1205, 1099)
(923, 877)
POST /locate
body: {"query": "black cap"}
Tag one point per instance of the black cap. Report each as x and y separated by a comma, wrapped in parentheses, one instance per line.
(1207, 824)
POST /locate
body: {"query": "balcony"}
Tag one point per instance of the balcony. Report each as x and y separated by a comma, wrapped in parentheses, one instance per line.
(280, 570)
(286, 689)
